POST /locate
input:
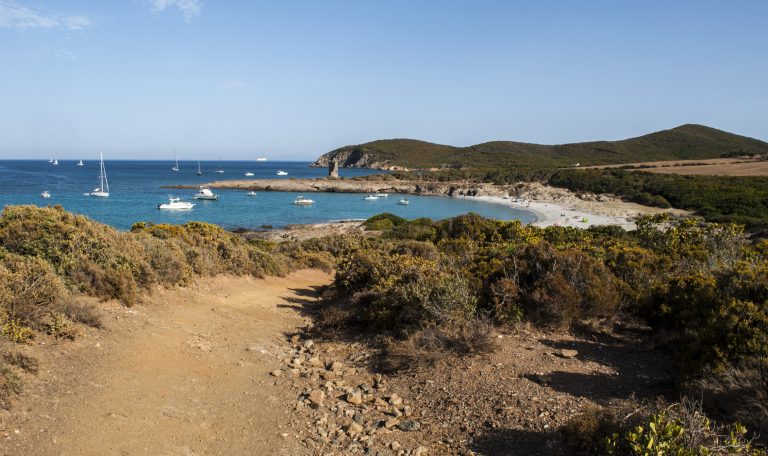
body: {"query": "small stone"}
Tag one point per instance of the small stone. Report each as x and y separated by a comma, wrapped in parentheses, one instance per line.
(394, 399)
(354, 428)
(355, 398)
(395, 445)
(420, 451)
(295, 339)
(567, 353)
(317, 397)
(308, 344)
(390, 423)
(379, 402)
(276, 373)
(296, 361)
(315, 362)
(336, 366)
(409, 426)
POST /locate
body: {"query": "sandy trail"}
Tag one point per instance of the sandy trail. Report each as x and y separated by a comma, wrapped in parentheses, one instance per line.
(185, 374)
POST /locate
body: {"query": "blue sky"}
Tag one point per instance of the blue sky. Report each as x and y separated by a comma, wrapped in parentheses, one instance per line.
(293, 79)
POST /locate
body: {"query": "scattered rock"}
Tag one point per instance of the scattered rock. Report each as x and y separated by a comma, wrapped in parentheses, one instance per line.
(409, 426)
(394, 399)
(336, 366)
(395, 445)
(355, 397)
(315, 362)
(354, 428)
(308, 344)
(317, 397)
(390, 423)
(420, 451)
(276, 373)
(567, 353)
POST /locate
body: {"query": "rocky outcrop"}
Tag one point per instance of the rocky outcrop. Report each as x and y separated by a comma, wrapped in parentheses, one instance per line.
(355, 157)
(363, 186)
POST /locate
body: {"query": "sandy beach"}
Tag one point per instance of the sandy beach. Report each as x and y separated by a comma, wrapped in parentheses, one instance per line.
(579, 213)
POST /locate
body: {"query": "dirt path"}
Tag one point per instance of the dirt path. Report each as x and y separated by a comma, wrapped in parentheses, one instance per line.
(185, 374)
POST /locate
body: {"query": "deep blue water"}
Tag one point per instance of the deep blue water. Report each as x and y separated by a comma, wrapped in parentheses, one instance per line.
(136, 190)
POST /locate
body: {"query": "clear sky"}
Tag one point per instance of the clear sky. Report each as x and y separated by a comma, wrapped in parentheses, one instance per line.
(292, 79)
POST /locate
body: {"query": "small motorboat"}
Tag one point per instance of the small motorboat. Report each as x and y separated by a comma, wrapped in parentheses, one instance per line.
(220, 171)
(45, 194)
(205, 194)
(80, 163)
(403, 202)
(251, 193)
(261, 159)
(382, 195)
(301, 201)
(371, 198)
(281, 173)
(176, 203)
(249, 174)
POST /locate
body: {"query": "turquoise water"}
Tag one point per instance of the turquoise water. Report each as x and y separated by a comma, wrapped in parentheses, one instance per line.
(136, 190)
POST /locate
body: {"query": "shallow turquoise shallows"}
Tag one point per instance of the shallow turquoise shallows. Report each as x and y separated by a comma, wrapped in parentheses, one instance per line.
(136, 188)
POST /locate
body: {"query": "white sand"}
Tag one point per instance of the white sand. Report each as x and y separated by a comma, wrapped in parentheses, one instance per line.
(579, 214)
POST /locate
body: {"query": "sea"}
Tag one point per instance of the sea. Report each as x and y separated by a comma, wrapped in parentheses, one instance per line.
(137, 187)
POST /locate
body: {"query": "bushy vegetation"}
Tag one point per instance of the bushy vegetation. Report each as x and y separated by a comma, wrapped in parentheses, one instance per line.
(47, 255)
(702, 287)
(654, 429)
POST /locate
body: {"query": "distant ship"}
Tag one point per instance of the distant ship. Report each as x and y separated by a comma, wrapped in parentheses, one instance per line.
(55, 162)
(281, 173)
(261, 159)
(80, 163)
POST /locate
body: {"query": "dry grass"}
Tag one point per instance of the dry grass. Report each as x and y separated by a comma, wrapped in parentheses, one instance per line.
(711, 167)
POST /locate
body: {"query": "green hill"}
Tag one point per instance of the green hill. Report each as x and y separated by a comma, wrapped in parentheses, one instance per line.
(684, 142)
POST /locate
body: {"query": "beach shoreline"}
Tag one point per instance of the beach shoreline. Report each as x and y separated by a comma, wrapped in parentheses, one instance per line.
(551, 206)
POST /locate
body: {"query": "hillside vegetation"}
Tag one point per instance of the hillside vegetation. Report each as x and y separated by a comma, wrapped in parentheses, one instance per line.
(684, 142)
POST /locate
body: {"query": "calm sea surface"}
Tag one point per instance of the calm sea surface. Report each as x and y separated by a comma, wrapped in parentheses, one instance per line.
(136, 190)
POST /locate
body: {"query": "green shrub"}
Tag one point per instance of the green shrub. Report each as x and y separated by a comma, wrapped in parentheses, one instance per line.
(383, 221)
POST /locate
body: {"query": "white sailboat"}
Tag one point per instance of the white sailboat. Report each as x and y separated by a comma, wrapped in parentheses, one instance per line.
(220, 171)
(55, 161)
(50, 160)
(176, 166)
(103, 189)
(199, 171)
(80, 163)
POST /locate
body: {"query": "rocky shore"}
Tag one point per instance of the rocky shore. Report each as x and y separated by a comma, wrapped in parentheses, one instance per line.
(362, 186)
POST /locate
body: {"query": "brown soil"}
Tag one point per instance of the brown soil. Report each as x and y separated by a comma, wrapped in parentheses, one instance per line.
(711, 167)
(210, 369)
(185, 374)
